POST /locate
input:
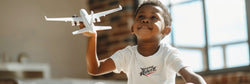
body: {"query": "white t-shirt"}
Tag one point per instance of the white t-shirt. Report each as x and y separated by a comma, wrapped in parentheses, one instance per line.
(160, 68)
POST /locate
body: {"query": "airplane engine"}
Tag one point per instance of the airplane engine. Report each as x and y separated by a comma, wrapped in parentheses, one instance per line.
(98, 19)
(73, 23)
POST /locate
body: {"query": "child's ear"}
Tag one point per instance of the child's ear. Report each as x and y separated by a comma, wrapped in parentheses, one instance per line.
(166, 31)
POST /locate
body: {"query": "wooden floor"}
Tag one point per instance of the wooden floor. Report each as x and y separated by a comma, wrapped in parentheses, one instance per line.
(71, 81)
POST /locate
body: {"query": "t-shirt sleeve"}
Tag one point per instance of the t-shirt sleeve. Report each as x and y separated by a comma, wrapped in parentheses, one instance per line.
(176, 62)
(121, 59)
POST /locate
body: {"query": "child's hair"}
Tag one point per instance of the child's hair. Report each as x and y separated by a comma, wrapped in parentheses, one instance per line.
(166, 15)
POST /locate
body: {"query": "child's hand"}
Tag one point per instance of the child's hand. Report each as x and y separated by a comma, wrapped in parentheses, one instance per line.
(81, 25)
(89, 34)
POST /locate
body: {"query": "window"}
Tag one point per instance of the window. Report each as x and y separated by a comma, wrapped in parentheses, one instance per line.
(237, 55)
(193, 58)
(216, 60)
(188, 32)
(211, 34)
(188, 25)
(226, 21)
(226, 24)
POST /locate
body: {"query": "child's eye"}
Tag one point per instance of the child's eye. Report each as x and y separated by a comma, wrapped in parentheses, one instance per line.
(154, 17)
(140, 16)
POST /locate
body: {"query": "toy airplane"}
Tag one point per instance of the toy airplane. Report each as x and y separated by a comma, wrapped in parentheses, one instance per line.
(88, 20)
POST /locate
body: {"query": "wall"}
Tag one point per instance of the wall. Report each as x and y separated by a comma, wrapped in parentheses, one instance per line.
(24, 29)
(108, 42)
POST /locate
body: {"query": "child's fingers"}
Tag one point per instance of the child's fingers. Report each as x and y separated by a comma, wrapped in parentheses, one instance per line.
(81, 25)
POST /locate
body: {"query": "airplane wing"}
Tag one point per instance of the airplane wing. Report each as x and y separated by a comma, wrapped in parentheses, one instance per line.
(66, 19)
(102, 27)
(91, 30)
(81, 31)
(100, 14)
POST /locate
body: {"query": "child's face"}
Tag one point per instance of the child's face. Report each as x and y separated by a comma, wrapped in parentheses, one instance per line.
(149, 23)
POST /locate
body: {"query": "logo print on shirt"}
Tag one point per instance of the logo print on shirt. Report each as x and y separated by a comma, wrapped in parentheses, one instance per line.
(148, 70)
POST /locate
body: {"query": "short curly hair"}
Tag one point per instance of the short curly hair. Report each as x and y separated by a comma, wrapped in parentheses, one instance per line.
(166, 14)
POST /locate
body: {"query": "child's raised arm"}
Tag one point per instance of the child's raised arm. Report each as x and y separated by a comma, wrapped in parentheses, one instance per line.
(94, 65)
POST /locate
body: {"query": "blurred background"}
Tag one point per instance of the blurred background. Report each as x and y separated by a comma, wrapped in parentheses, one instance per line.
(211, 34)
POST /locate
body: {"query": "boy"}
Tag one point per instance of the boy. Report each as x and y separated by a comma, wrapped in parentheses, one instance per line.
(148, 62)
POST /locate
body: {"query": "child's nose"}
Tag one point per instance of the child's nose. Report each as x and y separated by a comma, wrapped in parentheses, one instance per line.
(145, 20)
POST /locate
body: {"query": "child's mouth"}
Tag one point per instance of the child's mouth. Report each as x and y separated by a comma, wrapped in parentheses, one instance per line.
(144, 27)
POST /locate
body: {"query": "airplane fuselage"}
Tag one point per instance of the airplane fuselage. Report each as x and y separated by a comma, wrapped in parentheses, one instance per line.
(86, 19)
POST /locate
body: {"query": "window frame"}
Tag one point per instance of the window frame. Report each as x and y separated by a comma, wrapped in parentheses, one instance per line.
(206, 69)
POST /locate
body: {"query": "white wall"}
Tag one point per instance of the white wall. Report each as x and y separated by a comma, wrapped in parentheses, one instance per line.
(24, 29)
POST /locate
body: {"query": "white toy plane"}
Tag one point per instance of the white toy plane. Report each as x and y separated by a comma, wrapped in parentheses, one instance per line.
(88, 20)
